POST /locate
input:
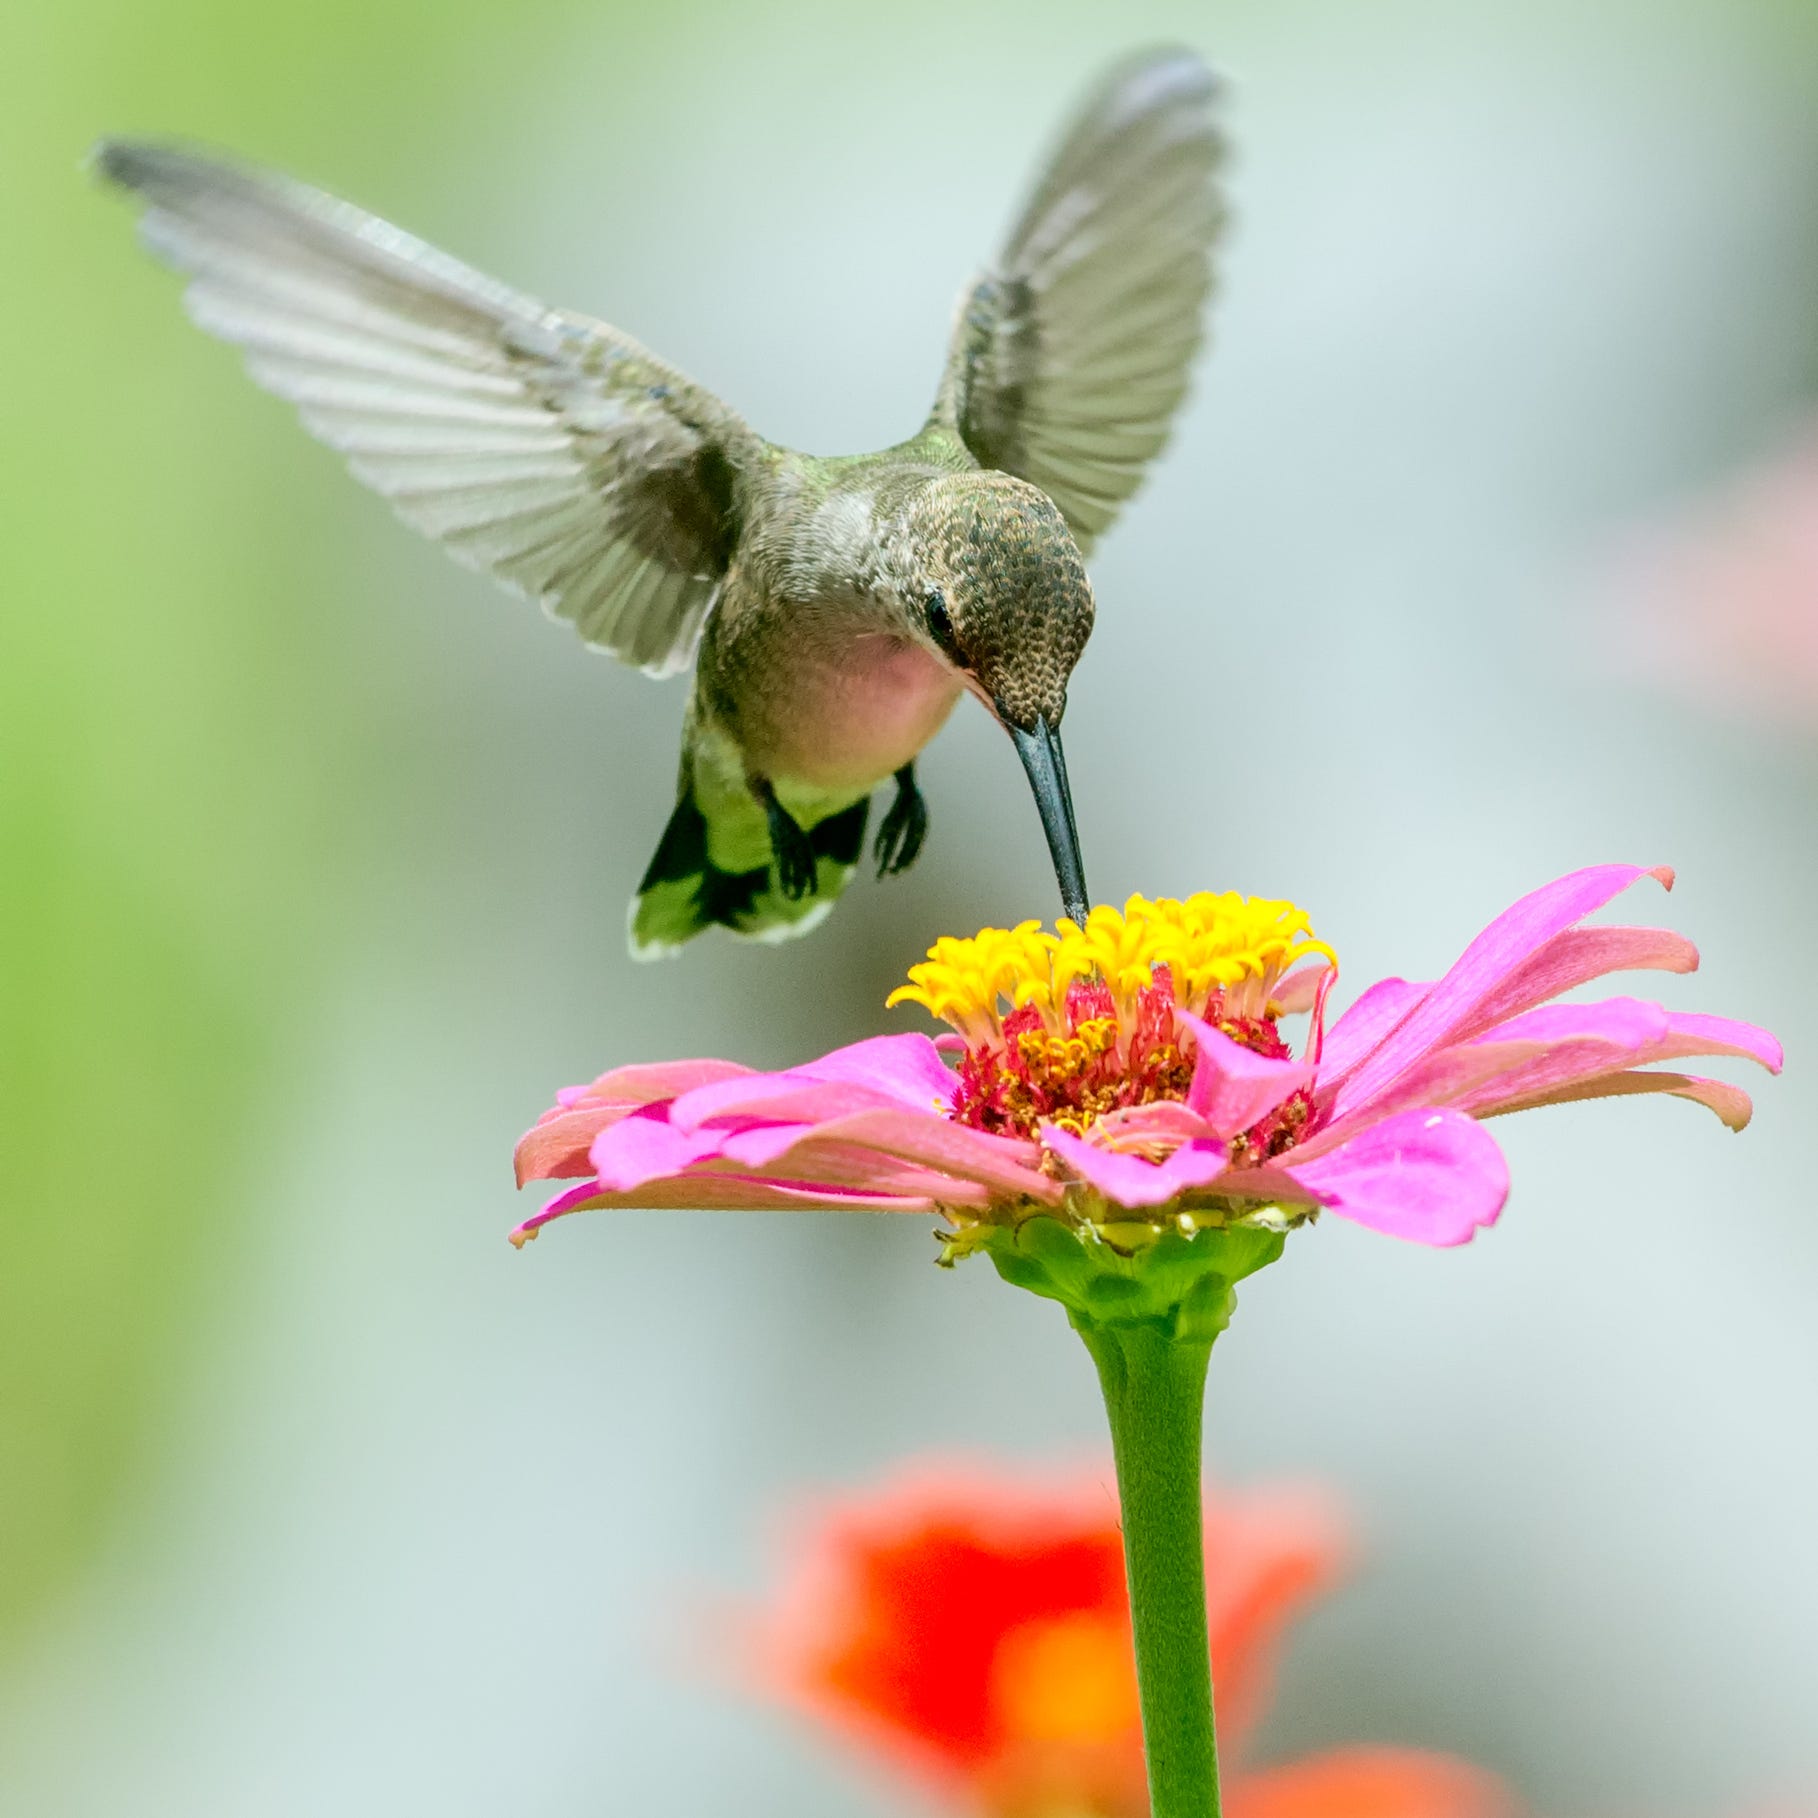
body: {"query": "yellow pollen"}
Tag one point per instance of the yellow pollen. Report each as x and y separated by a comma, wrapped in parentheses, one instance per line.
(1231, 946)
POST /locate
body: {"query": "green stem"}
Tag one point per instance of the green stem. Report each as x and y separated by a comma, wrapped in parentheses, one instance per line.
(1155, 1387)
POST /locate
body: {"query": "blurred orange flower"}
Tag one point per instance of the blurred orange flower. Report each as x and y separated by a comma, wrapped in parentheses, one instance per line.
(972, 1627)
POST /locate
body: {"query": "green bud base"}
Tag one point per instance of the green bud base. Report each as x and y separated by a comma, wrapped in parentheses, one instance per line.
(1178, 1277)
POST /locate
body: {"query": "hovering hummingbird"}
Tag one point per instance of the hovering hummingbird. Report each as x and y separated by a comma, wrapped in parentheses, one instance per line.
(834, 607)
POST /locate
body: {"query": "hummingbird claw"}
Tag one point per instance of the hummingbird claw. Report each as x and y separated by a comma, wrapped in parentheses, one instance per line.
(797, 869)
(904, 827)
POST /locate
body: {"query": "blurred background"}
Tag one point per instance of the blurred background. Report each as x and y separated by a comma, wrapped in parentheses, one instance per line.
(314, 856)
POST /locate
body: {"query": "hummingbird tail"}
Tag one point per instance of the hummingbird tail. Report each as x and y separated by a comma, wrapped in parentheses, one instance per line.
(684, 891)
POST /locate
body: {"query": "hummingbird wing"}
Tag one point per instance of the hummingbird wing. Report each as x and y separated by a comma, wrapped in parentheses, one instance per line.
(1070, 356)
(542, 447)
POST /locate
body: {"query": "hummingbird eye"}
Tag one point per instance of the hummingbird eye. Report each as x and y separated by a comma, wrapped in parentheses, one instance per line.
(940, 626)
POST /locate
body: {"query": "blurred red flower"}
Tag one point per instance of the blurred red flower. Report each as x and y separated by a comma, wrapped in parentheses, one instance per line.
(972, 1627)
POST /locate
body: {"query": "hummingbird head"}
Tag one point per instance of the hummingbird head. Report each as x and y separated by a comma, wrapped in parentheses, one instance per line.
(999, 589)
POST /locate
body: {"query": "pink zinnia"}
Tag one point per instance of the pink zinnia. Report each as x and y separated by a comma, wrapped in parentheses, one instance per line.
(1133, 1069)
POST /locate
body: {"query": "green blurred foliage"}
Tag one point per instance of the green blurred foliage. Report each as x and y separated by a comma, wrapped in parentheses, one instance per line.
(181, 727)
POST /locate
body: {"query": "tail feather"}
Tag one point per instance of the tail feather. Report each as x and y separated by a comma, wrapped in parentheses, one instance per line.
(684, 891)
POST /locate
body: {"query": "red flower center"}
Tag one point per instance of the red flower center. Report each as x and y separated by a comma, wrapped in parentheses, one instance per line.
(1099, 1062)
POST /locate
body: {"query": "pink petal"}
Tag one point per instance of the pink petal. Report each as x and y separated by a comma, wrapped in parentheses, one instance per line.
(557, 1146)
(1233, 1086)
(1299, 991)
(855, 1140)
(929, 1140)
(1503, 947)
(908, 1067)
(820, 1153)
(865, 1152)
(1731, 1103)
(850, 1167)
(716, 1193)
(1534, 1057)
(647, 1081)
(646, 1147)
(883, 1071)
(1461, 1077)
(1577, 1043)
(880, 1071)
(1127, 1180)
(1515, 1073)
(1166, 1123)
(571, 1199)
(1431, 1177)
(1723, 1035)
(1624, 1022)
(790, 1098)
(1575, 958)
(1684, 1031)
(1366, 1023)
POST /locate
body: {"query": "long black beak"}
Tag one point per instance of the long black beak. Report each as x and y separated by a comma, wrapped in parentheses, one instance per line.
(1042, 757)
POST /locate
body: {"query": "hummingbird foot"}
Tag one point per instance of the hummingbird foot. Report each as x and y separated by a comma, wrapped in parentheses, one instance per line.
(904, 828)
(797, 869)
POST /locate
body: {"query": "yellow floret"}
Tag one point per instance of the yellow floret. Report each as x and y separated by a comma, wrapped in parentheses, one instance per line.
(1210, 943)
(961, 981)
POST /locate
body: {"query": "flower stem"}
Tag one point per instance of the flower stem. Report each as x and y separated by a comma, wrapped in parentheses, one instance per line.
(1154, 1385)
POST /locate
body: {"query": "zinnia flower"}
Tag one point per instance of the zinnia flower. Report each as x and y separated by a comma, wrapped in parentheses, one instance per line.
(1125, 1129)
(1131, 1077)
(972, 1628)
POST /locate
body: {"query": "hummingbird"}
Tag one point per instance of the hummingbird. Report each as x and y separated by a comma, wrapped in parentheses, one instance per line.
(834, 609)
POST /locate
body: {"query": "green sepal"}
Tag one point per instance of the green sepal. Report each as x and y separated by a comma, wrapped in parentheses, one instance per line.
(1178, 1278)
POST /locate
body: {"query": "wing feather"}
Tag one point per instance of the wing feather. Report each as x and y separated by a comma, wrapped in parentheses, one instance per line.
(1070, 357)
(548, 450)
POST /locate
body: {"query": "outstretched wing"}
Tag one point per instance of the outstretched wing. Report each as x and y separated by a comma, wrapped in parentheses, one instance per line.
(1070, 357)
(549, 450)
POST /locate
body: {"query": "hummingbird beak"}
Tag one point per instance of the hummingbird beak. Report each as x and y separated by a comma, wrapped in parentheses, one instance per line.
(1042, 758)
